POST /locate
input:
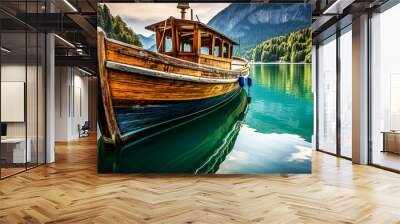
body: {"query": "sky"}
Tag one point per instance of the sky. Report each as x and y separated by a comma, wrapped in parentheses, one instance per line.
(139, 15)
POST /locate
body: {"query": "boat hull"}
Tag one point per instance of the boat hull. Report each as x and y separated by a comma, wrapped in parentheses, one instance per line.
(145, 102)
(138, 116)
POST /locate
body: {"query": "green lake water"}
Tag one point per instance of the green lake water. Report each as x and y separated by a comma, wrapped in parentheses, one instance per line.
(265, 129)
(277, 130)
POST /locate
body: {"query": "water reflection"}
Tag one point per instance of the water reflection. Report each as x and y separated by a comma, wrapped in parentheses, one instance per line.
(294, 80)
(277, 130)
(282, 100)
(256, 153)
(198, 146)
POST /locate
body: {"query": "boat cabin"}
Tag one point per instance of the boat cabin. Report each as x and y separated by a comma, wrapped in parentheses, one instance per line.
(193, 41)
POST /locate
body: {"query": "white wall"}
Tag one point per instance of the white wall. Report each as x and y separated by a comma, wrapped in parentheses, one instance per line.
(80, 102)
(12, 73)
(62, 82)
(9, 73)
(33, 126)
(71, 102)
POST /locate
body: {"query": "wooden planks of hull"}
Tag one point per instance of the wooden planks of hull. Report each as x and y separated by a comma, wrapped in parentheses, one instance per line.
(136, 116)
(132, 87)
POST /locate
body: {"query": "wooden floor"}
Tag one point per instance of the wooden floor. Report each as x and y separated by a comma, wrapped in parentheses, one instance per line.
(8, 171)
(70, 191)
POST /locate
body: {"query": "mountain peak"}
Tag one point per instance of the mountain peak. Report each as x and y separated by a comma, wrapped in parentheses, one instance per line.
(261, 21)
(148, 41)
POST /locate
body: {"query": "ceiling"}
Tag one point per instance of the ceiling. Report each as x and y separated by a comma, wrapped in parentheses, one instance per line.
(330, 15)
(74, 22)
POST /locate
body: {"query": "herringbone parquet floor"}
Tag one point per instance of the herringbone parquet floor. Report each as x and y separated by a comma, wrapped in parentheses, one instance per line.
(70, 191)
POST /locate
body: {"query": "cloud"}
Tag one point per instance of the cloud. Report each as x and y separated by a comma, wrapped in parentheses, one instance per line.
(256, 152)
(303, 154)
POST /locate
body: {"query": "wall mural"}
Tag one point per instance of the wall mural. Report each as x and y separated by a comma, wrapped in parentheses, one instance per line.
(205, 88)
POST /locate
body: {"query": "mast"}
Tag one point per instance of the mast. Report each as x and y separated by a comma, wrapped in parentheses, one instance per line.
(183, 7)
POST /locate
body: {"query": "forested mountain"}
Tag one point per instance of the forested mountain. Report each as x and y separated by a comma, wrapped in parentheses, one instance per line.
(254, 23)
(115, 27)
(294, 47)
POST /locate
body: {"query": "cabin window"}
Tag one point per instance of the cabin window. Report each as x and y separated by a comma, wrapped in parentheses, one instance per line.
(186, 41)
(164, 41)
(168, 44)
(226, 50)
(206, 41)
(217, 47)
(187, 45)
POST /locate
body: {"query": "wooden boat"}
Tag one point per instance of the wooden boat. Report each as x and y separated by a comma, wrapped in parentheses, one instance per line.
(192, 71)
